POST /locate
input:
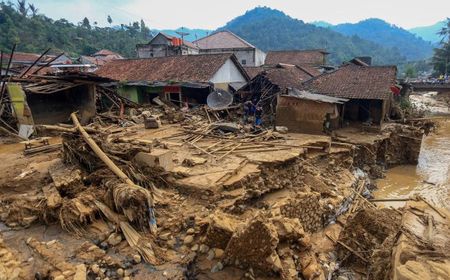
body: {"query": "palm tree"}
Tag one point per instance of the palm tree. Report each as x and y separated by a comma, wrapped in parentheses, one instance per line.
(441, 57)
(22, 7)
(33, 9)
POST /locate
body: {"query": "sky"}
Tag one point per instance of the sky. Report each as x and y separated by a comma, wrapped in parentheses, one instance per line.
(211, 14)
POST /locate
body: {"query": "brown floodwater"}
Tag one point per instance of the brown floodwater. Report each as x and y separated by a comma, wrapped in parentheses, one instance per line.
(430, 178)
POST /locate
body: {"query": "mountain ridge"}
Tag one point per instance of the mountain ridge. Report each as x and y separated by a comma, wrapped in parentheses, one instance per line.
(271, 29)
(388, 35)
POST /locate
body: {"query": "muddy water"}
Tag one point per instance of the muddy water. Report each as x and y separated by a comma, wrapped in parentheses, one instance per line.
(430, 178)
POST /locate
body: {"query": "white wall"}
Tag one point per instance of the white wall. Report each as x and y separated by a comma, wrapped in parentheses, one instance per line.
(260, 57)
(228, 73)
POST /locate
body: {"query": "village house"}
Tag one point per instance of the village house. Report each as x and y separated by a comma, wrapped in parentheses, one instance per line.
(270, 82)
(180, 79)
(165, 45)
(21, 60)
(305, 112)
(314, 58)
(311, 61)
(51, 99)
(366, 87)
(228, 42)
(99, 58)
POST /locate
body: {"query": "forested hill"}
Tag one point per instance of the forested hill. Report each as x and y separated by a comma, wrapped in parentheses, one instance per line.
(388, 35)
(271, 29)
(34, 33)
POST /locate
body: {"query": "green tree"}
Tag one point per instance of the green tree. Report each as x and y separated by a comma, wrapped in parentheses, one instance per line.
(22, 7)
(85, 23)
(35, 34)
(33, 9)
(410, 72)
(144, 28)
(441, 57)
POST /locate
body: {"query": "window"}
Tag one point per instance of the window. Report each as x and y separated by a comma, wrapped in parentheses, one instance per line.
(244, 62)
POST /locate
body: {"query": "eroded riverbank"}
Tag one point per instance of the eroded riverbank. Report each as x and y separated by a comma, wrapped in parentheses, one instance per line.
(430, 178)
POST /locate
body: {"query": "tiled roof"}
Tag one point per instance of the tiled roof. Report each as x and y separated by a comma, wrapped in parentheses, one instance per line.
(187, 68)
(105, 52)
(25, 57)
(300, 57)
(286, 76)
(222, 40)
(253, 71)
(357, 82)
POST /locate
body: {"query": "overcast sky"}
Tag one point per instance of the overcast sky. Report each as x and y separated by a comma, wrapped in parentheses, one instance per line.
(211, 14)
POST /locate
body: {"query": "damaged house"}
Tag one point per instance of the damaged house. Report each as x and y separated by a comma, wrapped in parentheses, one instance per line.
(178, 79)
(366, 87)
(309, 60)
(271, 81)
(48, 100)
(305, 112)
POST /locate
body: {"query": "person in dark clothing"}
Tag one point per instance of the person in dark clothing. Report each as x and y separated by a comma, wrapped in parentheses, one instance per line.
(327, 124)
(247, 109)
(258, 115)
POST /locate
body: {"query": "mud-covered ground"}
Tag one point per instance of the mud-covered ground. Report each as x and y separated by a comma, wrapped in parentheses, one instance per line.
(295, 209)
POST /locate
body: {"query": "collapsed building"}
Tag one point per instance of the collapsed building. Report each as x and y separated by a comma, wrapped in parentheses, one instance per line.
(270, 82)
(178, 79)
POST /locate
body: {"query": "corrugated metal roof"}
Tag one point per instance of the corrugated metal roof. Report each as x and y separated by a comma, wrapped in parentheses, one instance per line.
(301, 94)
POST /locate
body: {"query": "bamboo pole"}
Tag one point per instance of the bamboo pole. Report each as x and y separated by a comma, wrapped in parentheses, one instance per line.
(111, 165)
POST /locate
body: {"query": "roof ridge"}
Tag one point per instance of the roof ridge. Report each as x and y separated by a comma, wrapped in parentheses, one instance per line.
(229, 32)
(239, 38)
(171, 56)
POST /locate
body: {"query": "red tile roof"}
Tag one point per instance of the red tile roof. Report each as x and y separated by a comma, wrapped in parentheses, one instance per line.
(187, 68)
(222, 40)
(105, 52)
(253, 71)
(357, 82)
(24, 57)
(296, 57)
(285, 76)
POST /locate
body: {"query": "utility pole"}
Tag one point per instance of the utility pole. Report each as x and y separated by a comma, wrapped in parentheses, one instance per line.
(182, 33)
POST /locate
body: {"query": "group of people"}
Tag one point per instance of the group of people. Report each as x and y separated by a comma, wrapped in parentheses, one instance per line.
(252, 113)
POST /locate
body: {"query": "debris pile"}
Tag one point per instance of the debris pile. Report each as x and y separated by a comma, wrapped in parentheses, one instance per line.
(367, 240)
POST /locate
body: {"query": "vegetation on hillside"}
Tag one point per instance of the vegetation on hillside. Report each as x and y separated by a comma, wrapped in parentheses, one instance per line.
(429, 33)
(273, 30)
(441, 57)
(22, 24)
(388, 35)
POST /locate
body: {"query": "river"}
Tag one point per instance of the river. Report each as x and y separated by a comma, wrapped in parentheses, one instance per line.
(430, 178)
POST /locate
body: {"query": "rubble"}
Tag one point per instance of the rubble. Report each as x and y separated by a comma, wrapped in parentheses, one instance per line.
(155, 191)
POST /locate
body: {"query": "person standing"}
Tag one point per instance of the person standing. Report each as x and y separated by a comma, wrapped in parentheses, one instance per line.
(258, 115)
